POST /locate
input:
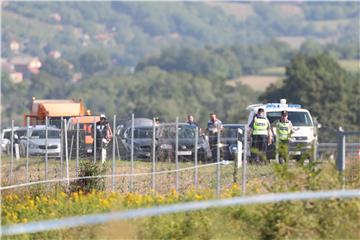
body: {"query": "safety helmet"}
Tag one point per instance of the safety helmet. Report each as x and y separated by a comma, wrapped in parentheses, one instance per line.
(102, 116)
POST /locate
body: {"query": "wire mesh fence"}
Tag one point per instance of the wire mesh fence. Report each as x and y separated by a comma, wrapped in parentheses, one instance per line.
(141, 155)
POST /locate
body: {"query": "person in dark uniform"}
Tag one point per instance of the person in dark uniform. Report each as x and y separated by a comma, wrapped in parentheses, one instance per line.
(103, 136)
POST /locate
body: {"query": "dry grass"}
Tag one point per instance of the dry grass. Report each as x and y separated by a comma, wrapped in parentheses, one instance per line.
(256, 82)
(293, 42)
(352, 65)
(290, 9)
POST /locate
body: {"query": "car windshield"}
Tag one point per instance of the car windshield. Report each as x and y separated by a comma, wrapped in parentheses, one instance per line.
(230, 131)
(297, 118)
(21, 133)
(7, 135)
(185, 131)
(142, 133)
(41, 134)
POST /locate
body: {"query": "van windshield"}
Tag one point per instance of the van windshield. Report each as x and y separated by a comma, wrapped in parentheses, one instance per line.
(297, 118)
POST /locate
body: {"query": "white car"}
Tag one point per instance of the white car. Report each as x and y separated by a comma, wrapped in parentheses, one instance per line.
(37, 141)
(305, 131)
(6, 138)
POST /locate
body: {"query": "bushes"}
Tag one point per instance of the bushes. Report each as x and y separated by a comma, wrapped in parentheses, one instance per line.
(89, 169)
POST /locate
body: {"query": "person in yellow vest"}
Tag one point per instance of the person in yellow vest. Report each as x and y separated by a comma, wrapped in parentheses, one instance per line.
(284, 129)
(260, 131)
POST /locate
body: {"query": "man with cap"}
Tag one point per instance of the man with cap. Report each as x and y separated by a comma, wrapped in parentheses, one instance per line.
(103, 135)
(260, 131)
(284, 129)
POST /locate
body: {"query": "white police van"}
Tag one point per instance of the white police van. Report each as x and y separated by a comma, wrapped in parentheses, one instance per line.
(305, 131)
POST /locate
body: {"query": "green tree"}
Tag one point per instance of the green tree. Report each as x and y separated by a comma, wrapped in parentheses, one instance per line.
(93, 61)
(58, 67)
(323, 87)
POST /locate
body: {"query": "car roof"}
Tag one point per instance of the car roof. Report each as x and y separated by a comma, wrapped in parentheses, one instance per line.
(140, 122)
(276, 107)
(43, 127)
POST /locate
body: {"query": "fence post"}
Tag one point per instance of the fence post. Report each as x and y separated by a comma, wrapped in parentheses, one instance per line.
(66, 155)
(27, 147)
(238, 156)
(218, 163)
(46, 147)
(153, 176)
(12, 151)
(340, 163)
(77, 147)
(196, 157)
(132, 154)
(177, 154)
(113, 154)
(315, 150)
(95, 150)
(244, 161)
(62, 148)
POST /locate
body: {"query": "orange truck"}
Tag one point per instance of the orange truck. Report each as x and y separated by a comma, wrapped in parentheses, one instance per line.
(54, 109)
(71, 109)
(86, 134)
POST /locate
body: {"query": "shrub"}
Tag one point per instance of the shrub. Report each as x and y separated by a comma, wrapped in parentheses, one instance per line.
(86, 185)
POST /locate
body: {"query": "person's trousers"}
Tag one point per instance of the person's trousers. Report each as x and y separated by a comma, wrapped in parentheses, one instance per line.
(213, 146)
(283, 150)
(259, 147)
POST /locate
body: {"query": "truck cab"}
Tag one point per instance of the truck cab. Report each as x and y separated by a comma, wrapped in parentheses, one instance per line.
(305, 131)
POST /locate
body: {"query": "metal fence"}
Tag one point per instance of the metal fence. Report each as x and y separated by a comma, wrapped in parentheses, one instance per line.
(145, 156)
(139, 158)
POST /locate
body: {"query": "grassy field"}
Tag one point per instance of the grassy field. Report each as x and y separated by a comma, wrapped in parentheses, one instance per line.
(352, 65)
(141, 184)
(273, 71)
(256, 82)
(286, 220)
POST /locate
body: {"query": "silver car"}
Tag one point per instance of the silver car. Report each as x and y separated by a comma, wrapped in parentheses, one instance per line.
(37, 142)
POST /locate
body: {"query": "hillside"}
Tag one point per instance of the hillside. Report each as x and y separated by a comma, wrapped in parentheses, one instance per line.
(137, 55)
(131, 31)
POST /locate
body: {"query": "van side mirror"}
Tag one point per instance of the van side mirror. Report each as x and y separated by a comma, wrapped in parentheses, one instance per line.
(319, 125)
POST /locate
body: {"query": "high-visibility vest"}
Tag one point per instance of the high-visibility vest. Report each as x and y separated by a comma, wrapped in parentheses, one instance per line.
(260, 126)
(283, 130)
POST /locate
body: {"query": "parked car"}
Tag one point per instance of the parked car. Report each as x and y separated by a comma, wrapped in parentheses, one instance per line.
(37, 141)
(143, 128)
(229, 139)
(6, 138)
(166, 143)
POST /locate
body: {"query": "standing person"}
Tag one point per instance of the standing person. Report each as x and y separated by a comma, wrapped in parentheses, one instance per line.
(284, 129)
(260, 130)
(191, 121)
(214, 125)
(103, 135)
